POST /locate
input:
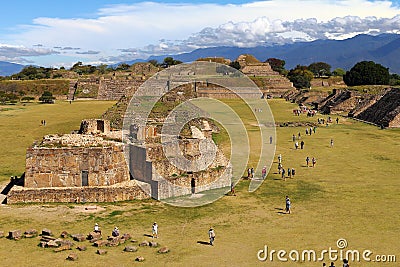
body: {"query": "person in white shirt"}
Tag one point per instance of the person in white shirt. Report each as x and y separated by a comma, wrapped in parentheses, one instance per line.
(155, 230)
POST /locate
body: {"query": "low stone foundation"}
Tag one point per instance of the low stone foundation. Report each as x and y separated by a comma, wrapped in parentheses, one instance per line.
(130, 191)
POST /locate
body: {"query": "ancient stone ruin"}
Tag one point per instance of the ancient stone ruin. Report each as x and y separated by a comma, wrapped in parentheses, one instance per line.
(381, 108)
(84, 167)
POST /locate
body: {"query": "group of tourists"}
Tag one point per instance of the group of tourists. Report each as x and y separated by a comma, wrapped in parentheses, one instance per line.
(115, 232)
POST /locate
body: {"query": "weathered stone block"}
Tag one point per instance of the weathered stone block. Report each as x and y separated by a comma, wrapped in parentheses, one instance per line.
(78, 237)
(15, 234)
(131, 249)
(101, 251)
(46, 232)
(100, 243)
(81, 248)
(163, 250)
(72, 257)
(139, 258)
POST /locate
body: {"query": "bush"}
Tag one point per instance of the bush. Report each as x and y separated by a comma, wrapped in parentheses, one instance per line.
(367, 73)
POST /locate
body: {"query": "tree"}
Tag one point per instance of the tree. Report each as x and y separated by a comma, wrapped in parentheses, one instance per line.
(277, 65)
(320, 69)
(367, 73)
(169, 61)
(300, 77)
(47, 97)
(394, 79)
(235, 64)
(123, 66)
(339, 72)
(154, 62)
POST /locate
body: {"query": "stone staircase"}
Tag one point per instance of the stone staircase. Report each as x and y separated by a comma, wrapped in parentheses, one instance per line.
(385, 112)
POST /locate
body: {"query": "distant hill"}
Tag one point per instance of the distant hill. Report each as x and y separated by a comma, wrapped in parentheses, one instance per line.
(383, 49)
(7, 68)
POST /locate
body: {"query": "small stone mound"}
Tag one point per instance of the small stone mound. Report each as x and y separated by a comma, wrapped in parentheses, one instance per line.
(131, 249)
(72, 257)
(144, 243)
(78, 237)
(64, 234)
(101, 251)
(139, 258)
(81, 248)
(100, 243)
(163, 250)
(30, 233)
(94, 236)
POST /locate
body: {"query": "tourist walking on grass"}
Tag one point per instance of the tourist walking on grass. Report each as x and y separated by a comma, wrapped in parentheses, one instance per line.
(294, 138)
(154, 229)
(302, 144)
(264, 172)
(296, 145)
(288, 204)
(293, 172)
(283, 173)
(313, 161)
(279, 168)
(307, 160)
(211, 235)
(331, 142)
(252, 173)
(289, 172)
(280, 158)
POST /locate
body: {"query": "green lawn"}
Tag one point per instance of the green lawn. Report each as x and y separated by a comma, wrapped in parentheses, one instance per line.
(20, 126)
(352, 193)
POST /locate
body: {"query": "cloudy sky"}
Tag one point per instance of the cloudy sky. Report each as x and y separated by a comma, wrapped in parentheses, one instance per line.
(60, 33)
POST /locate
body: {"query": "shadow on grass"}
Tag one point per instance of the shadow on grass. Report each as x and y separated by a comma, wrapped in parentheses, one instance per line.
(147, 235)
(203, 243)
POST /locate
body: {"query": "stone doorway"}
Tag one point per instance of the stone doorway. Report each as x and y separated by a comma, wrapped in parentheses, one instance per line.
(85, 178)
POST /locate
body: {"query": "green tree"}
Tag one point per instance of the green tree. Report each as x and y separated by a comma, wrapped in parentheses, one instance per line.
(235, 64)
(300, 77)
(154, 62)
(338, 72)
(123, 66)
(169, 61)
(47, 97)
(394, 79)
(367, 73)
(320, 69)
(277, 65)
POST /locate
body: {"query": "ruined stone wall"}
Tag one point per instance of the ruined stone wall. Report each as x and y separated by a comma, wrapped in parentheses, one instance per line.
(73, 194)
(385, 111)
(114, 89)
(64, 167)
(95, 126)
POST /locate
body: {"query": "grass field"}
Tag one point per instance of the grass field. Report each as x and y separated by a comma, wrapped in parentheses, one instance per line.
(352, 193)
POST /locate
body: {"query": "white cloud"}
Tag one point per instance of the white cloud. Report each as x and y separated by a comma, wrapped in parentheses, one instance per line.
(135, 30)
(18, 54)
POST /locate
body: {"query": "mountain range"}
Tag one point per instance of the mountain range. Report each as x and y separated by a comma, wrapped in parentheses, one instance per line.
(383, 49)
(7, 68)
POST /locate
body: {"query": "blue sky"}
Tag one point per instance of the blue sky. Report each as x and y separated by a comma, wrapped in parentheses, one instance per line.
(60, 33)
